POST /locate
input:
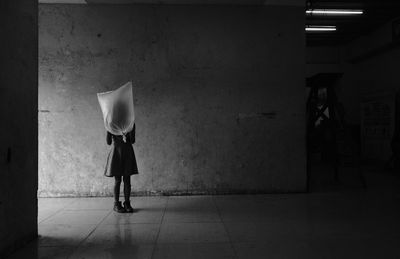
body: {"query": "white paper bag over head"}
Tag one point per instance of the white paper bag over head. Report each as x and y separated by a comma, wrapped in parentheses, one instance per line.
(118, 109)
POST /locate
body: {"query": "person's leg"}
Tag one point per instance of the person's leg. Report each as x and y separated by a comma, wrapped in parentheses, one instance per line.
(127, 187)
(127, 193)
(117, 204)
(117, 186)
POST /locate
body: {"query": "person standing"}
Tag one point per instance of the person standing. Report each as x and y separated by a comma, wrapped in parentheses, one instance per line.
(121, 164)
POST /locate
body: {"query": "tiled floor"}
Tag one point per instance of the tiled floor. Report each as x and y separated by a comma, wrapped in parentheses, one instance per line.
(345, 224)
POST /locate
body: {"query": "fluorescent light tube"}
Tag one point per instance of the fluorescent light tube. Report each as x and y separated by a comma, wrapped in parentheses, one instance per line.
(334, 12)
(315, 28)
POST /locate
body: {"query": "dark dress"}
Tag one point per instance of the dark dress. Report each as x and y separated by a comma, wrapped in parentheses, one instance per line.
(121, 160)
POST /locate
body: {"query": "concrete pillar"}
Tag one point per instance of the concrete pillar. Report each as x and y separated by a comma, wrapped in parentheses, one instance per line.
(18, 125)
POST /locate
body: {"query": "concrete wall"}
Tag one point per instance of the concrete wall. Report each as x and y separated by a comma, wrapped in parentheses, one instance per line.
(18, 127)
(202, 76)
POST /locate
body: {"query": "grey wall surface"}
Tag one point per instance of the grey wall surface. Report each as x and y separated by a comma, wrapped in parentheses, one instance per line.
(18, 127)
(202, 77)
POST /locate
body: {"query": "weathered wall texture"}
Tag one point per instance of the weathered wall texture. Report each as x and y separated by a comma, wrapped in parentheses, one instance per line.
(18, 126)
(201, 74)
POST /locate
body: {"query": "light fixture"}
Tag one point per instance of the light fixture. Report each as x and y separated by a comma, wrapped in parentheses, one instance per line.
(334, 12)
(320, 28)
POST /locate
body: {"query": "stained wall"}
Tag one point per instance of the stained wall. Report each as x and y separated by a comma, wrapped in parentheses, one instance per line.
(219, 97)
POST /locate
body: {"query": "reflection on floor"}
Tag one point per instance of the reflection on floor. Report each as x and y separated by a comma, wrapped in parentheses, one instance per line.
(345, 224)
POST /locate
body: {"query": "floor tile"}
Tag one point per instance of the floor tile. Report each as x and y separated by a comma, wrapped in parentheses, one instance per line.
(261, 207)
(194, 251)
(113, 252)
(380, 227)
(191, 209)
(32, 251)
(192, 233)
(190, 216)
(191, 203)
(78, 217)
(274, 248)
(92, 203)
(353, 247)
(151, 202)
(261, 231)
(51, 203)
(130, 234)
(140, 215)
(330, 227)
(47, 207)
(46, 213)
(340, 224)
(63, 235)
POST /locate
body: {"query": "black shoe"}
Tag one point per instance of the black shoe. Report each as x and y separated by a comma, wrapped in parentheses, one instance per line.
(128, 207)
(118, 207)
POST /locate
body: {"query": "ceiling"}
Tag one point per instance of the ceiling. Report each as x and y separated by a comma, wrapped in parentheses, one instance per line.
(192, 2)
(376, 13)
